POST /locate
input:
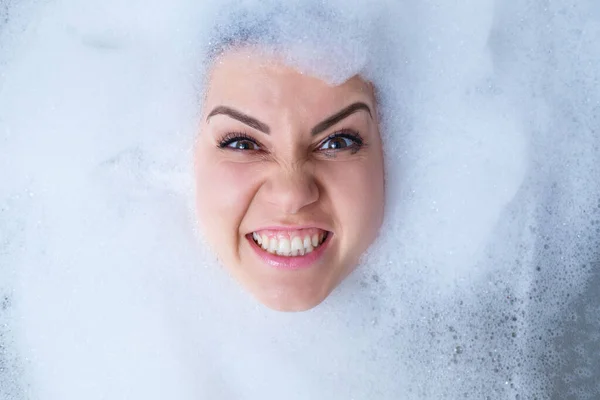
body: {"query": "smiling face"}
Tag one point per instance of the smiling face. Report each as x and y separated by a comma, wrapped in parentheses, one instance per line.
(289, 174)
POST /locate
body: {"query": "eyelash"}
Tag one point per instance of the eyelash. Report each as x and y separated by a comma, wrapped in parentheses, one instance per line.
(235, 137)
(345, 133)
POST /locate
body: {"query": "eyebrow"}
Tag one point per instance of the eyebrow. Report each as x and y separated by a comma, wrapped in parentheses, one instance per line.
(243, 118)
(340, 115)
(261, 126)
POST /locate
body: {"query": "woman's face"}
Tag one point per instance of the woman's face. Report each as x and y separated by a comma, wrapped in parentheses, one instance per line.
(289, 174)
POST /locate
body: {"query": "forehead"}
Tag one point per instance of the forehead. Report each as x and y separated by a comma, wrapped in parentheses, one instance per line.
(246, 78)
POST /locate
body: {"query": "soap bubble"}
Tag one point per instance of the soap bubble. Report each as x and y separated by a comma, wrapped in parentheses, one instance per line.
(482, 283)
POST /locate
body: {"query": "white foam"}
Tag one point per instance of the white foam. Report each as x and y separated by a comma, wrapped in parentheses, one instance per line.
(489, 120)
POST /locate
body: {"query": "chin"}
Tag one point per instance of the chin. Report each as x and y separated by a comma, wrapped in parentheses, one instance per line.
(290, 300)
(291, 305)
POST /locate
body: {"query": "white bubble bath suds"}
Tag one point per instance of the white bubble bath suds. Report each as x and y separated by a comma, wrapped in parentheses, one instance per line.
(484, 282)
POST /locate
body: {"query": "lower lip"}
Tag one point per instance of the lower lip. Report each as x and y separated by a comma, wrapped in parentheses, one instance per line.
(297, 262)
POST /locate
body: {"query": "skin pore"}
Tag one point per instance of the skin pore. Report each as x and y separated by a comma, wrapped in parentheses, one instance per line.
(289, 177)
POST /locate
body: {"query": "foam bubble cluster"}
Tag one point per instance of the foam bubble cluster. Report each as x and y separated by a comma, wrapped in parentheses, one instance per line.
(482, 284)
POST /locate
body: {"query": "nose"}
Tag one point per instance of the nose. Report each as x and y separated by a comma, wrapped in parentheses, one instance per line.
(291, 189)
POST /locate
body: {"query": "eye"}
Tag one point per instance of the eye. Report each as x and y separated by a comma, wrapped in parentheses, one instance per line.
(341, 141)
(239, 142)
(243, 144)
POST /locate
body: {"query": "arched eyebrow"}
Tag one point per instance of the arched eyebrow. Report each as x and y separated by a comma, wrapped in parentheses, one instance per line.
(243, 118)
(261, 126)
(340, 115)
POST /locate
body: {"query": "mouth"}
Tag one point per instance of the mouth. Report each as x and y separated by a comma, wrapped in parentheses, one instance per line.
(296, 248)
(290, 243)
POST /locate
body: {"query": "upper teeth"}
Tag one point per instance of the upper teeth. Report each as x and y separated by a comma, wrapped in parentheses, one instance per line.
(285, 247)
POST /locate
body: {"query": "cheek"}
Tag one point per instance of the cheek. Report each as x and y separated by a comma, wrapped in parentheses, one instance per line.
(356, 193)
(224, 191)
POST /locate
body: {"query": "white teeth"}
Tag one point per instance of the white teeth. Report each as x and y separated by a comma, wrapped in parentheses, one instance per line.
(296, 245)
(273, 245)
(265, 243)
(284, 247)
(308, 247)
(307, 243)
(315, 240)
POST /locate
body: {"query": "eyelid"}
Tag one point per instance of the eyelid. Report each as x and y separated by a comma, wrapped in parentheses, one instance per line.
(346, 133)
(231, 137)
(351, 134)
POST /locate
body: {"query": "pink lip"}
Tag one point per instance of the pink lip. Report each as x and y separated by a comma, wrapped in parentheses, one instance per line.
(298, 262)
(289, 228)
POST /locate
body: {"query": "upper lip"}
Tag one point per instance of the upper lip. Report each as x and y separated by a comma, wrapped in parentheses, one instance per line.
(276, 227)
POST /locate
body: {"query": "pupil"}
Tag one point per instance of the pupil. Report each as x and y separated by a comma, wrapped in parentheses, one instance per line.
(337, 143)
(243, 145)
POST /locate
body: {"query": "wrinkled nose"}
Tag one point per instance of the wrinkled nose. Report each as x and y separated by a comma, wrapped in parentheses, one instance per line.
(291, 190)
